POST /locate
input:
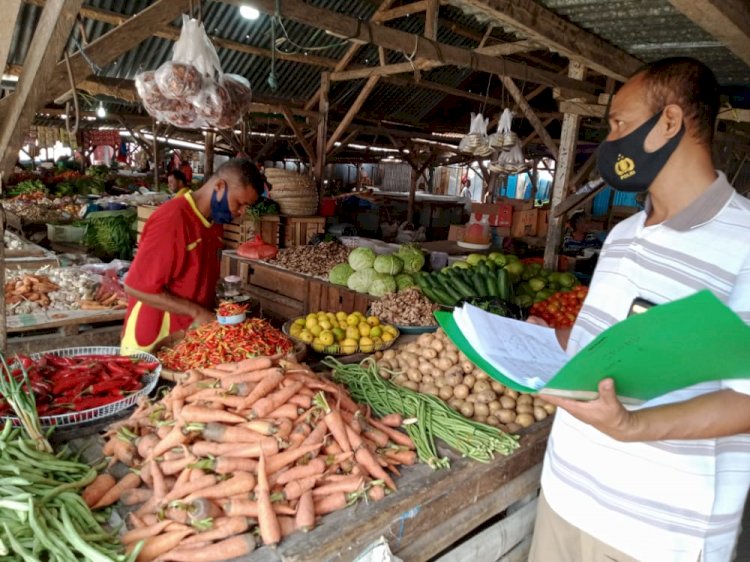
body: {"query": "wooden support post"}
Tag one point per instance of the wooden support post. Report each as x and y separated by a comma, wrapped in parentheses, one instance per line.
(353, 110)
(517, 95)
(534, 134)
(298, 133)
(208, 165)
(11, 8)
(563, 172)
(47, 45)
(320, 162)
(431, 19)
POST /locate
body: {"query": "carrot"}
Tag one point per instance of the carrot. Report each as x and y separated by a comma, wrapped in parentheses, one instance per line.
(108, 449)
(328, 504)
(288, 410)
(150, 519)
(177, 466)
(123, 451)
(376, 493)
(222, 433)
(314, 467)
(130, 480)
(231, 548)
(205, 394)
(284, 427)
(268, 445)
(188, 377)
(316, 435)
(333, 448)
(240, 483)
(286, 524)
(177, 514)
(94, 491)
(265, 386)
(182, 391)
(392, 420)
(395, 435)
(228, 465)
(160, 487)
(378, 437)
(154, 547)
(174, 438)
(134, 496)
(270, 531)
(305, 518)
(145, 473)
(249, 508)
(145, 444)
(279, 461)
(227, 401)
(301, 400)
(177, 405)
(337, 427)
(200, 414)
(364, 456)
(248, 365)
(202, 508)
(223, 527)
(348, 485)
(177, 493)
(299, 433)
(261, 408)
(135, 521)
(196, 473)
(407, 457)
(144, 532)
(163, 430)
(294, 489)
(250, 378)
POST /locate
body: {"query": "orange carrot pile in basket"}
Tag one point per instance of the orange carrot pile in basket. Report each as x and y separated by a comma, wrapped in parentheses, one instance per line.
(261, 443)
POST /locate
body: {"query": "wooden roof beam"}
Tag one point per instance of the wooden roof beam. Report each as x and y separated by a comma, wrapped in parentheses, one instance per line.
(401, 11)
(46, 48)
(11, 8)
(529, 113)
(726, 20)
(353, 110)
(301, 138)
(557, 34)
(379, 35)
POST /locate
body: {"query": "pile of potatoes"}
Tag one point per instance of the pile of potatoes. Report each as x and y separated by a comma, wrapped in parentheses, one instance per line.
(433, 365)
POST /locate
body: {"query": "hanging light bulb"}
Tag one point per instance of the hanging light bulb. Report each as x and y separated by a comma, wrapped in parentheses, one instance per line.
(101, 113)
(249, 13)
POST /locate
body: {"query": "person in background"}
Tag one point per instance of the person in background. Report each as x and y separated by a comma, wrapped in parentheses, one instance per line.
(665, 480)
(579, 236)
(177, 183)
(172, 282)
(465, 188)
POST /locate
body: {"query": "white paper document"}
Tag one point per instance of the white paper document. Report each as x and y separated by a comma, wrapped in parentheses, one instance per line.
(527, 353)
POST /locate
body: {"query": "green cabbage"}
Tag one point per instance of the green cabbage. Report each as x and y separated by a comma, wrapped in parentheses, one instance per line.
(390, 265)
(360, 281)
(412, 257)
(404, 281)
(361, 258)
(382, 285)
(339, 274)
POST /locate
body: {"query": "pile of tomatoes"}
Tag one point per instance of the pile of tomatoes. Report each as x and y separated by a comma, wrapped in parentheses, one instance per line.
(561, 309)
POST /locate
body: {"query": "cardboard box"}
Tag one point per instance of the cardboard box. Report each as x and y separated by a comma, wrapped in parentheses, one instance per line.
(500, 214)
(517, 204)
(524, 223)
(456, 233)
(542, 223)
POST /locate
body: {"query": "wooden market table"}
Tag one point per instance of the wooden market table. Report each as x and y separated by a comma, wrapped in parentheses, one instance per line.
(31, 333)
(433, 510)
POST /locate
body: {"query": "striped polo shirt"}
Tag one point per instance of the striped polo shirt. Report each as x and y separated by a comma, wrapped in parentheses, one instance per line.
(661, 501)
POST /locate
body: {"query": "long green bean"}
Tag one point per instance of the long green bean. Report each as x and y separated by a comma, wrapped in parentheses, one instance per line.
(429, 416)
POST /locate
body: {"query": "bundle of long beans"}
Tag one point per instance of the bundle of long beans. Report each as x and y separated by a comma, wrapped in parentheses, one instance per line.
(431, 417)
(23, 403)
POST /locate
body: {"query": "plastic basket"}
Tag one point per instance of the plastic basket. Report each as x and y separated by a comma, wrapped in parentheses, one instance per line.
(65, 233)
(95, 414)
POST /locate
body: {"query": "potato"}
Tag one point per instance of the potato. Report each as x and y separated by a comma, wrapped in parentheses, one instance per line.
(462, 357)
(471, 398)
(384, 374)
(469, 380)
(540, 413)
(455, 403)
(495, 406)
(467, 366)
(525, 399)
(497, 387)
(505, 416)
(411, 385)
(430, 389)
(424, 368)
(480, 375)
(480, 419)
(455, 370)
(493, 421)
(524, 409)
(412, 361)
(508, 402)
(481, 409)
(428, 353)
(452, 357)
(467, 410)
(413, 348)
(428, 379)
(486, 396)
(414, 375)
(440, 382)
(538, 401)
(512, 393)
(378, 355)
(452, 378)
(389, 354)
(549, 408)
(513, 427)
(444, 364)
(437, 345)
(461, 391)
(425, 340)
(525, 420)
(481, 386)
(446, 393)
(400, 380)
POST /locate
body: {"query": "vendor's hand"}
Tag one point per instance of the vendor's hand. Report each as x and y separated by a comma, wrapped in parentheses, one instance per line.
(536, 320)
(606, 413)
(203, 316)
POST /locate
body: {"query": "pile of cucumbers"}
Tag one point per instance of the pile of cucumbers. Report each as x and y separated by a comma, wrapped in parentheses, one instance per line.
(453, 284)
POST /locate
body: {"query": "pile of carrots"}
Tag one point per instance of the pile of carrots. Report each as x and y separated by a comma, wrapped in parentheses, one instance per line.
(262, 442)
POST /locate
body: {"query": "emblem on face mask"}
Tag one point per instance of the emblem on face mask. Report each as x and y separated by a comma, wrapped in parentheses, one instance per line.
(624, 167)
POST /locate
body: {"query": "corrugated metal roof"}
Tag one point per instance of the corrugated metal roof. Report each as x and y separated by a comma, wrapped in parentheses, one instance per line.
(650, 30)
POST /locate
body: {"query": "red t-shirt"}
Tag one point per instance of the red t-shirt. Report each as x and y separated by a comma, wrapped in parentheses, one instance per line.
(180, 251)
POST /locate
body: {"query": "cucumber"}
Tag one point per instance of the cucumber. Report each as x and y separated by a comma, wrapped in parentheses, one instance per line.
(449, 290)
(477, 283)
(443, 297)
(503, 285)
(463, 288)
(489, 283)
(430, 294)
(493, 286)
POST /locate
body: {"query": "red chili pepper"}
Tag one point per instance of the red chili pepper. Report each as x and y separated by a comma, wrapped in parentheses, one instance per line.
(88, 403)
(59, 362)
(62, 385)
(112, 386)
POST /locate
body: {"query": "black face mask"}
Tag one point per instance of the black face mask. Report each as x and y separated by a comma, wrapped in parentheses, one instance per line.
(624, 163)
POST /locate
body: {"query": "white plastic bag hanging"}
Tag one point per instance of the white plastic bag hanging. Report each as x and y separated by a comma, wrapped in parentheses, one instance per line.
(195, 48)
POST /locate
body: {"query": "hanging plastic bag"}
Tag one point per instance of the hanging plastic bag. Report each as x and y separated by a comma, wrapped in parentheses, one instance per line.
(476, 140)
(509, 138)
(256, 249)
(239, 90)
(195, 48)
(215, 107)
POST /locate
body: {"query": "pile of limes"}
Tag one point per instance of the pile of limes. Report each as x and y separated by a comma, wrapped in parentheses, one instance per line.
(339, 332)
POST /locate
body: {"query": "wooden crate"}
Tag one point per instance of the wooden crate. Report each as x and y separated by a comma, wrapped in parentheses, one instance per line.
(277, 280)
(298, 231)
(143, 212)
(332, 298)
(267, 227)
(235, 233)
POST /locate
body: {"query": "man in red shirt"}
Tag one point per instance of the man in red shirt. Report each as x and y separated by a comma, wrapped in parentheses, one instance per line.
(172, 281)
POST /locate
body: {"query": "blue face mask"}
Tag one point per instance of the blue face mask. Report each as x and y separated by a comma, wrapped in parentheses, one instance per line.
(220, 212)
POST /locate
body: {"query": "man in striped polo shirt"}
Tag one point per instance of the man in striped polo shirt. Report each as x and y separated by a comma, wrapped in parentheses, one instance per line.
(666, 481)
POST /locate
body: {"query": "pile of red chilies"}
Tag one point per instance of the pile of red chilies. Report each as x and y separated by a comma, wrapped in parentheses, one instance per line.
(72, 384)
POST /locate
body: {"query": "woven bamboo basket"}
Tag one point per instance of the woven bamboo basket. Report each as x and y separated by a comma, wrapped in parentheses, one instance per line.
(296, 194)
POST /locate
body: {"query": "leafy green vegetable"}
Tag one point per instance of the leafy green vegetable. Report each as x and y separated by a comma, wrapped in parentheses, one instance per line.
(412, 257)
(389, 265)
(265, 206)
(360, 281)
(361, 259)
(404, 281)
(382, 285)
(111, 234)
(339, 274)
(28, 186)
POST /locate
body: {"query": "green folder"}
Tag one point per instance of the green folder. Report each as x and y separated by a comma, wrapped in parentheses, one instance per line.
(671, 346)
